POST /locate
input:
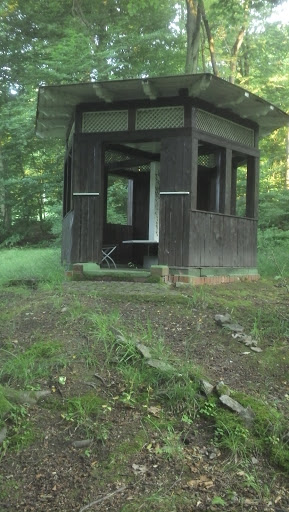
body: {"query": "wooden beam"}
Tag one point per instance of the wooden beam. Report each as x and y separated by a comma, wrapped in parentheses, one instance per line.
(125, 173)
(196, 88)
(102, 93)
(149, 89)
(135, 152)
(226, 104)
(126, 164)
(252, 191)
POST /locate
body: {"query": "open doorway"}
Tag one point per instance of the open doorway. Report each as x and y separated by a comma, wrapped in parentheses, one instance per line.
(131, 203)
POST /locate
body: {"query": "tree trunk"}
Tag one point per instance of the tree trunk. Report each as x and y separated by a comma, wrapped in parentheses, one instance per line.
(193, 35)
(209, 37)
(5, 209)
(235, 52)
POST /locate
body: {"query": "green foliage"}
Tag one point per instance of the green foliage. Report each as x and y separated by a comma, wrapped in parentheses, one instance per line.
(273, 248)
(117, 195)
(84, 412)
(274, 209)
(35, 363)
(233, 436)
(208, 408)
(21, 431)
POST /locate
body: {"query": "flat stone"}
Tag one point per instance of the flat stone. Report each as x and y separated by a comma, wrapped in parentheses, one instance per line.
(144, 350)
(222, 389)
(207, 387)
(160, 365)
(223, 319)
(244, 338)
(82, 443)
(234, 327)
(3, 434)
(246, 413)
(256, 349)
(24, 397)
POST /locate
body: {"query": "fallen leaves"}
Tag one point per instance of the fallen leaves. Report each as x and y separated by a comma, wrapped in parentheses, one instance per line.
(139, 469)
(201, 483)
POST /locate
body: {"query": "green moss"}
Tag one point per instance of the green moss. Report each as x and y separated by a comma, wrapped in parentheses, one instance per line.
(131, 446)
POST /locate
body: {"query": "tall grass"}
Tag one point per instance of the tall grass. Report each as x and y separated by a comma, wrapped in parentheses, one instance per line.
(41, 264)
(273, 253)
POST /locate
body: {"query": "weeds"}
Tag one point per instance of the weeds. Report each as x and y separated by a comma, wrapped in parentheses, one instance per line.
(21, 431)
(83, 413)
(35, 363)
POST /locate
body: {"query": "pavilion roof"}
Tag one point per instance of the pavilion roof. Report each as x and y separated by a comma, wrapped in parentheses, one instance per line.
(56, 103)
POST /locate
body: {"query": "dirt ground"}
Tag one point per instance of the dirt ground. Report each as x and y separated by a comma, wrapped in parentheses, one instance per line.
(124, 468)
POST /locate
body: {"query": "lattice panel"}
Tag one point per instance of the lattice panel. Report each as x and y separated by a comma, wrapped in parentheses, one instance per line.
(224, 128)
(207, 160)
(157, 118)
(112, 121)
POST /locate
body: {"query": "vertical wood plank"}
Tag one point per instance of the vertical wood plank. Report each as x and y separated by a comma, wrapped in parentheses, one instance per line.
(194, 174)
(175, 176)
(233, 190)
(88, 178)
(252, 187)
(222, 240)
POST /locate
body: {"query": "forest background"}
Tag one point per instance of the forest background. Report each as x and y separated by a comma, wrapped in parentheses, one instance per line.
(50, 43)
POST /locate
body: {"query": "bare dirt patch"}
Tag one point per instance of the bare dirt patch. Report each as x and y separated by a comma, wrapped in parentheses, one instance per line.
(141, 458)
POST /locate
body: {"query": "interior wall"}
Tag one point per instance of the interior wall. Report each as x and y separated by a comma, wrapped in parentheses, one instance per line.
(154, 201)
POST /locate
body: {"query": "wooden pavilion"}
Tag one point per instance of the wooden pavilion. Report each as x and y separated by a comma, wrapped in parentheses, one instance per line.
(184, 147)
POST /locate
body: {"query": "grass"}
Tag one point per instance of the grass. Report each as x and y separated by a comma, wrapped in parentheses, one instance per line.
(83, 412)
(35, 363)
(23, 264)
(174, 395)
(273, 250)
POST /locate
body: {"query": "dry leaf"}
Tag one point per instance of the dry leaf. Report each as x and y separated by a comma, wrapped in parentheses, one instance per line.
(155, 410)
(202, 482)
(139, 469)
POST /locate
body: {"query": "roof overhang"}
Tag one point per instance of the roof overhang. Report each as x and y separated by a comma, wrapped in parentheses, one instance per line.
(56, 103)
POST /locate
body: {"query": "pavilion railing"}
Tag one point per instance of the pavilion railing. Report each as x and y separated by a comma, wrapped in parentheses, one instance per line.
(218, 240)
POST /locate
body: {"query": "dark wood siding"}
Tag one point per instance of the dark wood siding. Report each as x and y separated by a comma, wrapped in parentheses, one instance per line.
(175, 176)
(88, 209)
(173, 235)
(222, 241)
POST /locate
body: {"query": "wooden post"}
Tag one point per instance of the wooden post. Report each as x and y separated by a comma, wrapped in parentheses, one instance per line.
(252, 187)
(88, 178)
(233, 190)
(194, 174)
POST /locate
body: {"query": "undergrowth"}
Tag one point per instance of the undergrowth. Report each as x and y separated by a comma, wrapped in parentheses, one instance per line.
(22, 264)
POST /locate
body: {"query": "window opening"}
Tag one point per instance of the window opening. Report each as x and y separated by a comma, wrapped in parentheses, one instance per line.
(119, 200)
(240, 168)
